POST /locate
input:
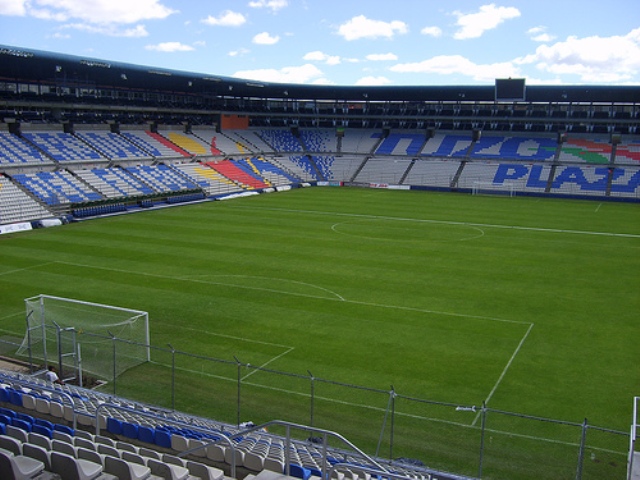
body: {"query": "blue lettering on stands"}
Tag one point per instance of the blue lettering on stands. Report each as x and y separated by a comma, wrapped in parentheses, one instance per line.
(508, 171)
(534, 180)
(631, 185)
(576, 175)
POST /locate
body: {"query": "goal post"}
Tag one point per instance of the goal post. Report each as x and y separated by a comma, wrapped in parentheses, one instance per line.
(489, 188)
(107, 338)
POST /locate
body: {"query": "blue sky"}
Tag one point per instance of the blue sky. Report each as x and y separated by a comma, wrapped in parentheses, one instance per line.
(349, 42)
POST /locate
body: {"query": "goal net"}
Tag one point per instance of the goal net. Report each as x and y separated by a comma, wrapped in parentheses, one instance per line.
(100, 339)
(488, 188)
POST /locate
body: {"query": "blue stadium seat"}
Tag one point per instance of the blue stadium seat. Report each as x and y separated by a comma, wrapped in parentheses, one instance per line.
(57, 427)
(299, 471)
(129, 430)
(21, 424)
(15, 397)
(163, 437)
(146, 434)
(42, 430)
(114, 426)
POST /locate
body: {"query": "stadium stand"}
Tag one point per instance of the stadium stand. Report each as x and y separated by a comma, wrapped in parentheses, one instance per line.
(113, 146)
(63, 147)
(15, 150)
(129, 438)
(17, 206)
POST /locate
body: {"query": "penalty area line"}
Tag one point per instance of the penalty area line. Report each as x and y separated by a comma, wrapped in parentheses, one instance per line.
(504, 371)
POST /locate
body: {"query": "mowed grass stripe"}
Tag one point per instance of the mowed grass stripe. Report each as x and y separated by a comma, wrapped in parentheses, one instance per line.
(580, 291)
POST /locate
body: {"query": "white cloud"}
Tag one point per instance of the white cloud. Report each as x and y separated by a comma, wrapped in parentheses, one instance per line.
(473, 25)
(539, 34)
(274, 5)
(265, 39)
(457, 64)
(170, 47)
(94, 12)
(363, 27)
(306, 73)
(13, 7)
(380, 57)
(432, 31)
(319, 56)
(594, 59)
(238, 53)
(136, 31)
(227, 18)
(373, 81)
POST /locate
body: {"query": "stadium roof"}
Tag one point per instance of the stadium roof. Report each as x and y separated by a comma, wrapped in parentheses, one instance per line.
(26, 65)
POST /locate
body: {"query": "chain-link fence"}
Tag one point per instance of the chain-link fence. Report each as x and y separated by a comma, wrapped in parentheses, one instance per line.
(475, 441)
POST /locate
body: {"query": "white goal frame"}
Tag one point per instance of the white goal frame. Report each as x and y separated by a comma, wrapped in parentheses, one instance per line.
(490, 188)
(80, 336)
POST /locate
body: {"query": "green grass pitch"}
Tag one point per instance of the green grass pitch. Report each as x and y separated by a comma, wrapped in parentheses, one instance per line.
(528, 304)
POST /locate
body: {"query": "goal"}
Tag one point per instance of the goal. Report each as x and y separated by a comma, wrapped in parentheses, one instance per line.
(85, 337)
(488, 188)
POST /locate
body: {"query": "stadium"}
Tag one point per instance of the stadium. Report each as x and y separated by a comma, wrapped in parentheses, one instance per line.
(250, 279)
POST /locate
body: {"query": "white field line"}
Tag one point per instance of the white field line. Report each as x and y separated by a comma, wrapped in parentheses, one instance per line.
(338, 298)
(9, 272)
(445, 222)
(287, 349)
(335, 298)
(504, 372)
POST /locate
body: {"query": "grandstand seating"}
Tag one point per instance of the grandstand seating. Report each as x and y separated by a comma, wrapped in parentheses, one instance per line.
(320, 140)
(208, 179)
(273, 174)
(193, 144)
(15, 150)
(17, 206)
(100, 164)
(280, 140)
(359, 141)
(114, 182)
(63, 147)
(162, 177)
(57, 187)
(383, 170)
(239, 172)
(139, 439)
(223, 143)
(113, 146)
(155, 144)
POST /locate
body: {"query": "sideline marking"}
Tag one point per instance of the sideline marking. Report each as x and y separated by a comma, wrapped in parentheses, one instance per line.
(335, 229)
(191, 277)
(446, 222)
(341, 299)
(504, 372)
(8, 272)
(287, 348)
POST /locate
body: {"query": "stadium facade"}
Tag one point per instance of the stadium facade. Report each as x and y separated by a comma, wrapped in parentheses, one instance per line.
(82, 136)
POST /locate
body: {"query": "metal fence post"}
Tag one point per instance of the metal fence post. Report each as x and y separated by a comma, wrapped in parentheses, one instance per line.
(313, 396)
(384, 421)
(482, 430)
(583, 439)
(173, 377)
(113, 339)
(238, 397)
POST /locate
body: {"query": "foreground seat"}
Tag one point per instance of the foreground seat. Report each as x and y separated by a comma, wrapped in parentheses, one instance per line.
(18, 467)
(73, 468)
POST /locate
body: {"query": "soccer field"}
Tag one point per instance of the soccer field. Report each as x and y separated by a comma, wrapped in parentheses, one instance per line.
(527, 304)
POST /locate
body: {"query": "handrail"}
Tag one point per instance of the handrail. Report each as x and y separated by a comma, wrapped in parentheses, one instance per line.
(37, 386)
(325, 434)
